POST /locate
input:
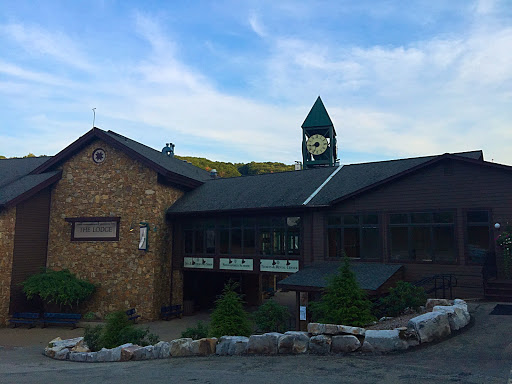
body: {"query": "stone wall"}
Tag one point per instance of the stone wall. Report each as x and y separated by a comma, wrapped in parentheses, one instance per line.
(7, 224)
(120, 186)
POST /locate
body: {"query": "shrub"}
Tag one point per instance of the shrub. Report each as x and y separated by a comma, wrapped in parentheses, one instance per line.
(229, 317)
(199, 332)
(117, 331)
(60, 287)
(343, 302)
(403, 296)
(92, 337)
(271, 317)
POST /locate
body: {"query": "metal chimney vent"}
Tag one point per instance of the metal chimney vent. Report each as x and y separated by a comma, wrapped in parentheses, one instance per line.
(168, 149)
(213, 173)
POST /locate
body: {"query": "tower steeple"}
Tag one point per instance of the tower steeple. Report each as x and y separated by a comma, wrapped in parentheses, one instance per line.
(318, 138)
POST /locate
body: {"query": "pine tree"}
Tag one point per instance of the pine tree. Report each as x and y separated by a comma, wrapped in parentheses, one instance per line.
(343, 302)
(229, 317)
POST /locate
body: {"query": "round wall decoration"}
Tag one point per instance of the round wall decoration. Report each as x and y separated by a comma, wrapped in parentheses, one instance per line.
(99, 155)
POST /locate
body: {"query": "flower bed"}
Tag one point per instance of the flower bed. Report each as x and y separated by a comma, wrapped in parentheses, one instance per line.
(320, 339)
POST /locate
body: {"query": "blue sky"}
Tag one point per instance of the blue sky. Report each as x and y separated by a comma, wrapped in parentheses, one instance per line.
(234, 80)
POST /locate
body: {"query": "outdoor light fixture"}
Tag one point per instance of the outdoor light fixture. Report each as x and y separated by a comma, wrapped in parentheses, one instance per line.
(497, 225)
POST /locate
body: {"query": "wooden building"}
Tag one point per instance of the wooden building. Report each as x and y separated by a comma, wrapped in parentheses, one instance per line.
(176, 233)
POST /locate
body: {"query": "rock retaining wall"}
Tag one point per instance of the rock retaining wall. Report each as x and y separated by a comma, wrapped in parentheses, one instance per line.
(320, 339)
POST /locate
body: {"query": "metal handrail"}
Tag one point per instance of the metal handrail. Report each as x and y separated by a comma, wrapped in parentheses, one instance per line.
(441, 282)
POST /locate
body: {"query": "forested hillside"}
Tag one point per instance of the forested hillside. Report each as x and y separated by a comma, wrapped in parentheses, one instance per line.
(237, 169)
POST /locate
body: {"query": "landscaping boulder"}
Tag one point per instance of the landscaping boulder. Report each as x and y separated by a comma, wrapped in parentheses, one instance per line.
(345, 344)
(63, 354)
(457, 317)
(232, 345)
(347, 330)
(145, 353)
(383, 341)
(127, 353)
(293, 342)
(181, 347)
(105, 355)
(204, 347)
(320, 344)
(116, 352)
(78, 356)
(67, 343)
(91, 357)
(263, 344)
(316, 328)
(163, 349)
(431, 303)
(430, 326)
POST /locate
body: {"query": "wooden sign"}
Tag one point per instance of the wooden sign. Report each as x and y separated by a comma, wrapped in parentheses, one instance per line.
(198, 262)
(274, 265)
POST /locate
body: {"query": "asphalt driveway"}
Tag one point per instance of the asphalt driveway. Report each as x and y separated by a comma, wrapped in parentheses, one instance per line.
(482, 353)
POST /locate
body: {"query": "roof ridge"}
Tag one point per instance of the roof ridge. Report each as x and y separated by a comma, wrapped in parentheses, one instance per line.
(414, 158)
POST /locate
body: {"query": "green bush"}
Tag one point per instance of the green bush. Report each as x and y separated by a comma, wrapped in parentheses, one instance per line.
(60, 287)
(117, 331)
(343, 302)
(271, 317)
(403, 296)
(229, 317)
(92, 337)
(200, 331)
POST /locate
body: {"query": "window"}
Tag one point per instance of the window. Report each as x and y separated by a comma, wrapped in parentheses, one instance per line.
(423, 236)
(478, 236)
(356, 235)
(279, 236)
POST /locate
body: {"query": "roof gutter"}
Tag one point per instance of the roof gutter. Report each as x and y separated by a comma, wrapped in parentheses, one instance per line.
(322, 185)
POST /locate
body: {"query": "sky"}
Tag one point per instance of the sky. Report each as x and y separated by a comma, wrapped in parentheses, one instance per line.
(234, 80)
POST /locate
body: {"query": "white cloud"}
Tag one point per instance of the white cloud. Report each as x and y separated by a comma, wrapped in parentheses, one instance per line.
(256, 25)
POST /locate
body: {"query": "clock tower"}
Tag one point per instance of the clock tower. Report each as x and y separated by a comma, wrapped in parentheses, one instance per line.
(318, 138)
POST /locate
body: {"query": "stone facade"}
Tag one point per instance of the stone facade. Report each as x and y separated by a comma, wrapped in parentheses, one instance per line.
(7, 224)
(123, 187)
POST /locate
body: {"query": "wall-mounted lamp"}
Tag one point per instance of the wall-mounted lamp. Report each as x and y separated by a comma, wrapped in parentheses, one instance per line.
(497, 225)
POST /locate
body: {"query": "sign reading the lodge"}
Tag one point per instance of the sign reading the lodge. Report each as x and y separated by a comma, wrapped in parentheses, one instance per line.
(198, 262)
(94, 229)
(236, 264)
(287, 266)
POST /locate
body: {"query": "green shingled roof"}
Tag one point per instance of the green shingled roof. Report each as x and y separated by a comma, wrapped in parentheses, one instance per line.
(318, 116)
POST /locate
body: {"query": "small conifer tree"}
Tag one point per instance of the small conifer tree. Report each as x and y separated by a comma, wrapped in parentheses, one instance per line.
(229, 317)
(343, 302)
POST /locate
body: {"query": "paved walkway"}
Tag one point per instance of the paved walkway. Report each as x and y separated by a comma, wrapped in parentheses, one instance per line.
(480, 354)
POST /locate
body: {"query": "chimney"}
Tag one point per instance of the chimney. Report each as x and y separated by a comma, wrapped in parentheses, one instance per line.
(298, 165)
(213, 173)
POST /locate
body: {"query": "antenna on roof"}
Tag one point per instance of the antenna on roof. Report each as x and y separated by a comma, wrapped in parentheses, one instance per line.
(94, 116)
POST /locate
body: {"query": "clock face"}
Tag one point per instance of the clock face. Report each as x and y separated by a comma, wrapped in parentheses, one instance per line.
(317, 144)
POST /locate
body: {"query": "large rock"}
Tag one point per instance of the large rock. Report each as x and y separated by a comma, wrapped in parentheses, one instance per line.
(181, 347)
(333, 329)
(265, 344)
(91, 357)
(383, 341)
(293, 342)
(204, 347)
(232, 345)
(430, 326)
(316, 328)
(127, 353)
(78, 356)
(104, 355)
(431, 303)
(163, 349)
(345, 344)
(347, 330)
(320, 344)
(63, 354)
(145, 353)
(458, 317)
(68, 343)
(116, 352)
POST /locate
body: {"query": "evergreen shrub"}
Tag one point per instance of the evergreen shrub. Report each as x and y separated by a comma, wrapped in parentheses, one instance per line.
(404, 295)
(229, 317)
(342, 301)
(271, 317)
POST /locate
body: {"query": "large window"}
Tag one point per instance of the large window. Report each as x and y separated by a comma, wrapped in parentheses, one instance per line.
(356, 235)
(423, 236)
(478, 236)
(269, 236)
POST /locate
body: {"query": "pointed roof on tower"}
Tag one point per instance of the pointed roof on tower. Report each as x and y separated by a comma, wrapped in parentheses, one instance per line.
(318, 116)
